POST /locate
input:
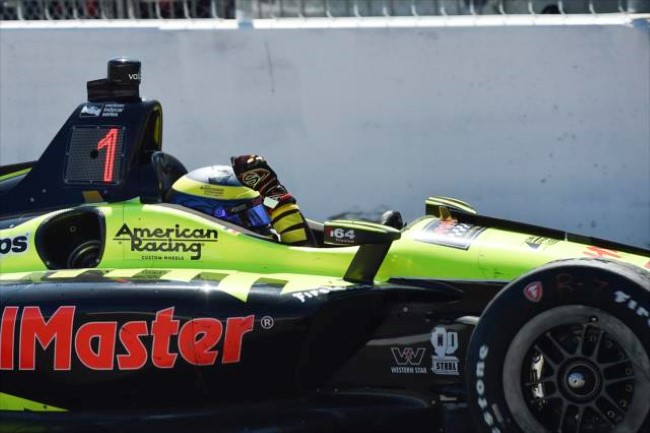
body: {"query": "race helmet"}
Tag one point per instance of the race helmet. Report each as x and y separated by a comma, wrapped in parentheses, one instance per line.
(217, 192)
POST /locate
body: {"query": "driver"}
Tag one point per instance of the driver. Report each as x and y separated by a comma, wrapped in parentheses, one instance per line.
(248, 194)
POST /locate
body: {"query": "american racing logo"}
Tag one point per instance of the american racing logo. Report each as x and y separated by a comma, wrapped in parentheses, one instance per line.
(105, 345)
(450, 233)
(167, 240)
(408, 360)
(15, 245)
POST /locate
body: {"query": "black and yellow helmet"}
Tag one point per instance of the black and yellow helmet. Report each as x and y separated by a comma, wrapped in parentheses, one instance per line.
(216, 191)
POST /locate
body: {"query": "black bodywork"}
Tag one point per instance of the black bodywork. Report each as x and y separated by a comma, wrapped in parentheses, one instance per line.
(327, 362)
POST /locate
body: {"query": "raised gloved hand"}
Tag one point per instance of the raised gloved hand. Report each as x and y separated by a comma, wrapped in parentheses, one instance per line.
(254, 172)
(287, 220)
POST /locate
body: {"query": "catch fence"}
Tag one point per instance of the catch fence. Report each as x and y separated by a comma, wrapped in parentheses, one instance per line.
(260, 9)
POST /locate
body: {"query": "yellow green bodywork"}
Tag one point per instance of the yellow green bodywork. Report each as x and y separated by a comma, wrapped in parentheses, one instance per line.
(12, 403)
(14, 174)
(153, 236)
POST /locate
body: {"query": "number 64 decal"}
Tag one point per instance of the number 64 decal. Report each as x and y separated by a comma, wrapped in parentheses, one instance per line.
(340, 233)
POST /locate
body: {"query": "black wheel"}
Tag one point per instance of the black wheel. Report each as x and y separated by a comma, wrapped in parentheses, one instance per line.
(565, 348)
(85, 255)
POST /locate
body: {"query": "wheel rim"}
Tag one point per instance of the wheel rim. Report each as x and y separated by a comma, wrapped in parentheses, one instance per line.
(577, 369)
(85, 255)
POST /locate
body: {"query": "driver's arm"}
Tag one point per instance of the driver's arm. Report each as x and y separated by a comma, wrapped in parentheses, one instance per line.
(286, 218)
(289, 223)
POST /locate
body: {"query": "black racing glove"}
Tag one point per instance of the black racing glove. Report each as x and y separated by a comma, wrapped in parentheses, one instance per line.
(254, 172)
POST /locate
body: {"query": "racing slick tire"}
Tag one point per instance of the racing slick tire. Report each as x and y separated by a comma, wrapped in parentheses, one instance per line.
(564, 348)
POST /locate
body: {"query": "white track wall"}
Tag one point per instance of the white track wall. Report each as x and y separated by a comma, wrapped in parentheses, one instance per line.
(546, 124)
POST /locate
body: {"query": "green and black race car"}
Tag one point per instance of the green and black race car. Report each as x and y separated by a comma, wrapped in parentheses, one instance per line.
(121, 312)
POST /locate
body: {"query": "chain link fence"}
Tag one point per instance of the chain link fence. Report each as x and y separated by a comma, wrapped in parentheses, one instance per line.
(227, 9)
(115, 9)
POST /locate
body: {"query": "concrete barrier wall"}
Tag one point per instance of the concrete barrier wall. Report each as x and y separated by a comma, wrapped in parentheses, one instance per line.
(544, 124)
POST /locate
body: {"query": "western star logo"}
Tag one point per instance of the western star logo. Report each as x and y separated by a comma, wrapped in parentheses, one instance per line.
(408, 360)
(167, 240)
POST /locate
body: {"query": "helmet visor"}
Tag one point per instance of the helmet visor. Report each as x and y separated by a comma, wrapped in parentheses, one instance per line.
(257, 216)
(252, 217)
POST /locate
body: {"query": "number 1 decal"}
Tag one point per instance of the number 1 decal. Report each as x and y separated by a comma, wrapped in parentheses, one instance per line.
(108, 142)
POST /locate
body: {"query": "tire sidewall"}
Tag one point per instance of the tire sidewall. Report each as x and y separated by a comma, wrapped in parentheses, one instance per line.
(618, 290)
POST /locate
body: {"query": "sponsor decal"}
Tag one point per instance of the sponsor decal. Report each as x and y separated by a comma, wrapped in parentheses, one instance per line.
(450, 233)
(408, 360)
(621, 297)
(539, 242)
(212, 191)
(166, 240)
(445, 344)
(315, 293)
(483, 405)
(91, 110)
(137, 76)
(108, 345)
(252, 178)
(534, 291)
(113, 110)
(13, 245)
(601, 253)
(342, 235)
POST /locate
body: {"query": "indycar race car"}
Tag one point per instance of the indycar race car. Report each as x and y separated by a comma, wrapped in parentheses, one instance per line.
(122, 312)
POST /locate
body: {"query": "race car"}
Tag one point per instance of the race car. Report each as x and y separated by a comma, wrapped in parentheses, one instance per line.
(122, 312)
